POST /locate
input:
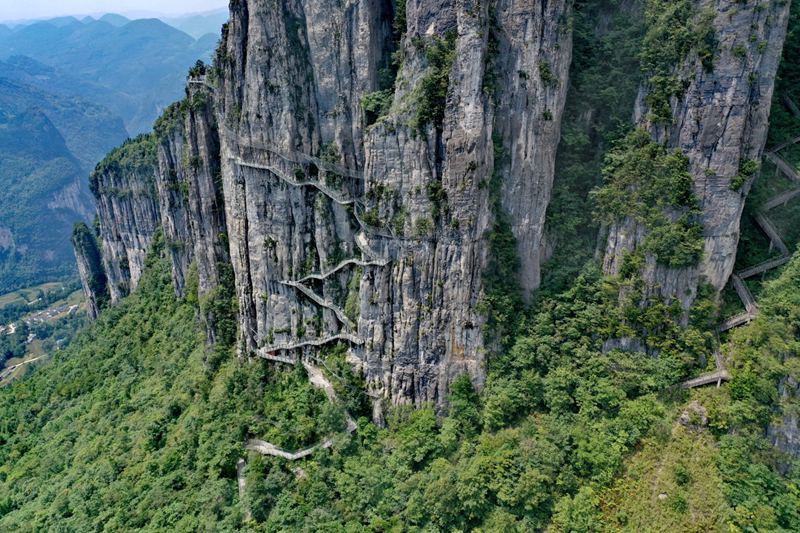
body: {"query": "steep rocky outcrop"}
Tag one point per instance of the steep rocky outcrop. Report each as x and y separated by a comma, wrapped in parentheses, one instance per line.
(713, 106)
(371, 222)
(127, 206)
(355, 164)
(90, 269)
(190, 189)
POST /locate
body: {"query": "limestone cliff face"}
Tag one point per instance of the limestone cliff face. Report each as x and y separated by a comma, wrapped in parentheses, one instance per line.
(373, 229)
(190, 190)
(128, 211)
(90, 269)
(719, 122)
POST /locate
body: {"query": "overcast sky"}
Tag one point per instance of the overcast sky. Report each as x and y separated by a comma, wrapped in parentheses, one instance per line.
(27, 9)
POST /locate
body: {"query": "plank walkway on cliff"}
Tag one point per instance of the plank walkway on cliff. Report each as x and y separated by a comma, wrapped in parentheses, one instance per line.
(269, 352)
(766, 225)
(322, 302)
(324, 189)
(318, 379)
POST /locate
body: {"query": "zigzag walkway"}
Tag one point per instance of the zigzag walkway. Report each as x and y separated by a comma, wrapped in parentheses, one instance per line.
(783, 166)
(342, 264)
(781, 199)
(783, 145)
(721, 374)
(318, 379)
(268, 352)
(324, 189)
(291, 156)
(370, 257)
(322, 302)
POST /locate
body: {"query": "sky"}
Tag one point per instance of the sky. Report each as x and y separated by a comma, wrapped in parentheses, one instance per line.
(28, 9)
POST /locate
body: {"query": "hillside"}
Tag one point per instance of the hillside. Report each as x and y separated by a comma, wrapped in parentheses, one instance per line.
(440, 266)
(49, 143)
(134, 426)
(94, 82)
(134, 69)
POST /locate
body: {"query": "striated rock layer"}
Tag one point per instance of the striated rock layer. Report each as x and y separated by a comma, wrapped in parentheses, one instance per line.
(127, 207)
(190, 189)
(90, 269)
(372, 226)
(720, 123)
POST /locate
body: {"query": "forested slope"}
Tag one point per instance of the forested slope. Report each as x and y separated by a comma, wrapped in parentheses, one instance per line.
(134, 426)
(384, 231)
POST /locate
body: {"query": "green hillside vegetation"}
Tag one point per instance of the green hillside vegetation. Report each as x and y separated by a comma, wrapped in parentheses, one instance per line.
(131, 428)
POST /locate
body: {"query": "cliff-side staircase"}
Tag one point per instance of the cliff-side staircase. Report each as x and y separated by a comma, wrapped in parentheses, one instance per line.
(279, 352)
(768, 227)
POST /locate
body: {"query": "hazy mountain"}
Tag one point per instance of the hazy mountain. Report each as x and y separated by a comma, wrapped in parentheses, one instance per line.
(199, 24)
(89, 129)
(134, 69)
(114, 19)
(49, 144)
(70, 90)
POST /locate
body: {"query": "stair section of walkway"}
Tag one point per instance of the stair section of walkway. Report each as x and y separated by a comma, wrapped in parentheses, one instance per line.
(721, 374)
(268, 352)
(318, 379)
(763, 267)
(322, 302)
(707, 379)
(744, 294)
(783, 166)
(321, 187)
(781, 199)
(342, 264)
(291, 156)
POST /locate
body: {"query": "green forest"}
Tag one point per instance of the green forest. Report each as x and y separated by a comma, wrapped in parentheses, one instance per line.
(131, 427)
(140, 425)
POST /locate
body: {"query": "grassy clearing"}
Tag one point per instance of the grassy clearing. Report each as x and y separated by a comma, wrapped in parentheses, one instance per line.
(670, 484)
(28, 294)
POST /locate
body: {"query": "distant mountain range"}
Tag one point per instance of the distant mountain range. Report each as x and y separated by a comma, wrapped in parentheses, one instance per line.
(200, 24)
(49, 143)
(195, 24)
(136, 67)
(70, 90)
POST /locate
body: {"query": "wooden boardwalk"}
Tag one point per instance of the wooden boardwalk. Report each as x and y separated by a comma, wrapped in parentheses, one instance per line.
(716, 377)
(781, 199)
(783, 166)
(766, 225)
(270, 352)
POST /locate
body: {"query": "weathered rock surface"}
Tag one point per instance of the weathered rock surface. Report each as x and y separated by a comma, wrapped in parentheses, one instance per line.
(90, 269)
(308, 184)
(190, 190)
(785, 432)
(720, 122)
(127, 206)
